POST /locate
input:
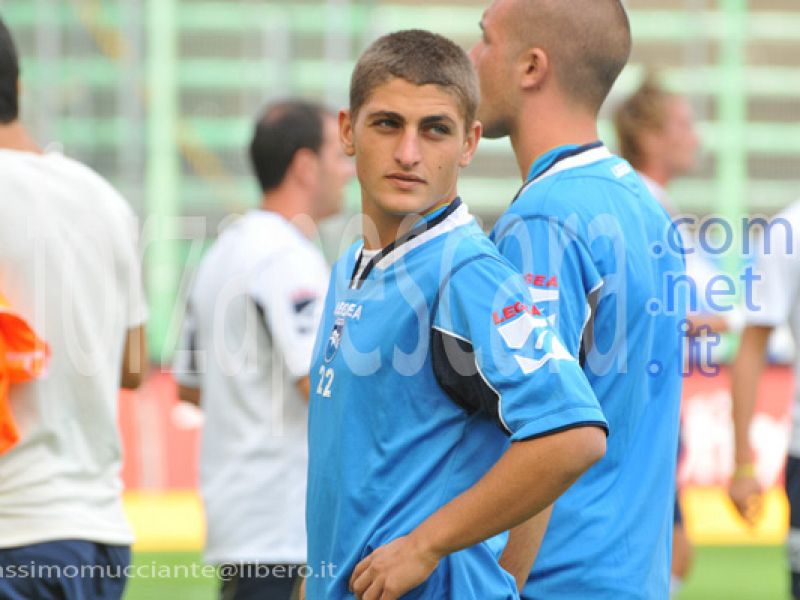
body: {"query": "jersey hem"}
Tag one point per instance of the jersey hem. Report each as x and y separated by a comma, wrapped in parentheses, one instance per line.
(561, 421)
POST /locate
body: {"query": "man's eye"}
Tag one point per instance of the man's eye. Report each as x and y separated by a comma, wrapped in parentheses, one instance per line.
(439, 129)
(385, 123)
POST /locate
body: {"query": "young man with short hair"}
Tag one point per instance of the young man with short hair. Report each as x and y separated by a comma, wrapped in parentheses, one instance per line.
(595, 248)
(430, 358)
(251, 322)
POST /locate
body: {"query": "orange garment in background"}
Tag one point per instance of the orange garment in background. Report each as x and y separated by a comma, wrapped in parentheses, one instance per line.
(23, 356)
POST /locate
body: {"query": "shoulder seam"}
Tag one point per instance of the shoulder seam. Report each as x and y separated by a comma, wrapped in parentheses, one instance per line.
(449, 276)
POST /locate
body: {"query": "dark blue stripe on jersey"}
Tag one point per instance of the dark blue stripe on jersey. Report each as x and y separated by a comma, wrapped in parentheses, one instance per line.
(557, 159)
(454, 364)
(301, 305)
(262, 313)
(192, 344)
(456, 371)
(599, 424)
(416, 231)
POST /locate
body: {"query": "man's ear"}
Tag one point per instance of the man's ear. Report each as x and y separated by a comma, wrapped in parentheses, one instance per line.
(346, 133)
(533, 67)
(305, 167)
(471, 143)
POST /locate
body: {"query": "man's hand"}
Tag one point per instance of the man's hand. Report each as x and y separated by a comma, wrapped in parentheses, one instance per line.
(527, 479)
(746, 494)
(393, 569)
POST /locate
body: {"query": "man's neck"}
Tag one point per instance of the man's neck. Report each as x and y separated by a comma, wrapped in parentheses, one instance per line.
(13, 136)
(657, 173)
(380, 228)
(542, 130)
(286, 203)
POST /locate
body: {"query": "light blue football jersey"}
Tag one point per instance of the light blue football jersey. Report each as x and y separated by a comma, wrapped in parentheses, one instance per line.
(598, 253)
(425, 366)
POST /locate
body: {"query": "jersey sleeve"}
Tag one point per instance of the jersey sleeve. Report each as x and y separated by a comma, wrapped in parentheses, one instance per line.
(289, 292)
(493, 351)
(557, 268)
(776, 280)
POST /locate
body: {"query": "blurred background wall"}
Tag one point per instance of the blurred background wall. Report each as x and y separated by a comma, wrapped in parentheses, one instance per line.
(159, 97)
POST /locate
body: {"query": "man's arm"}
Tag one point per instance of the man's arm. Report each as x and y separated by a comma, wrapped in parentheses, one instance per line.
(745, 491)
(525, 481)
(189, 394)
(303, 386)
(523, 545)
(134, 361)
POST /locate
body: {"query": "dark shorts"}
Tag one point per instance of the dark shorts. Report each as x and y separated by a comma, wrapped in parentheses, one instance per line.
(63, 570)
(259, 581)
(793, 545)
(677, 516)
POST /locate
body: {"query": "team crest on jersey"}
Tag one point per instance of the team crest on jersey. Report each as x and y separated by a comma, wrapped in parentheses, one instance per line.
(334, 340)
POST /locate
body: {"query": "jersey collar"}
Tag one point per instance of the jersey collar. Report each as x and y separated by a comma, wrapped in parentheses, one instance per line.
(563, 158)
(429, 226)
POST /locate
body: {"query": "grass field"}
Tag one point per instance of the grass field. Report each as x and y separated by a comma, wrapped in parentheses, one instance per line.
(720, 573)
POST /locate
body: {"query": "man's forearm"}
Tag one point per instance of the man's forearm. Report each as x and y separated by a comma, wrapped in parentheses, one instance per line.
(745, 377)
(525, 481)
(189, 394)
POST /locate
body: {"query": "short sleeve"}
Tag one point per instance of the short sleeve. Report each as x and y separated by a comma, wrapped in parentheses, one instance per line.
(775, 279)
(557, 268)
(494, 351)
(289, 290)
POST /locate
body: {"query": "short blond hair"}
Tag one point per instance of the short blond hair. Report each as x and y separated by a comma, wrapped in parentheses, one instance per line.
(419, 57)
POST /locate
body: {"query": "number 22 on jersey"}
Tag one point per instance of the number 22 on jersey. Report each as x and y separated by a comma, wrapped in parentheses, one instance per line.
(325, 382)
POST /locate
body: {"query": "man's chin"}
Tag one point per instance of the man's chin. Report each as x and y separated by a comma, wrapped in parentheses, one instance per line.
(401, 205)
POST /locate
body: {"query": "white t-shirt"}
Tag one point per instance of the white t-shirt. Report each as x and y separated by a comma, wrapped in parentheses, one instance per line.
(776, 296)
(247, 338)
(70, 266)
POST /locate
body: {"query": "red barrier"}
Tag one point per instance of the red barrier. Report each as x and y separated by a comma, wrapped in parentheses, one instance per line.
(161, 434)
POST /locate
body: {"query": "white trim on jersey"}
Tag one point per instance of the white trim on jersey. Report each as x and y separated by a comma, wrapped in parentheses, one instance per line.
(459, 218)
(579, 160)
(539, 295)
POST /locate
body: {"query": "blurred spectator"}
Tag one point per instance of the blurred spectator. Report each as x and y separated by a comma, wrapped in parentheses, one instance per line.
(247, 338)
(657, 136)
(776, 301)
(70, 267)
